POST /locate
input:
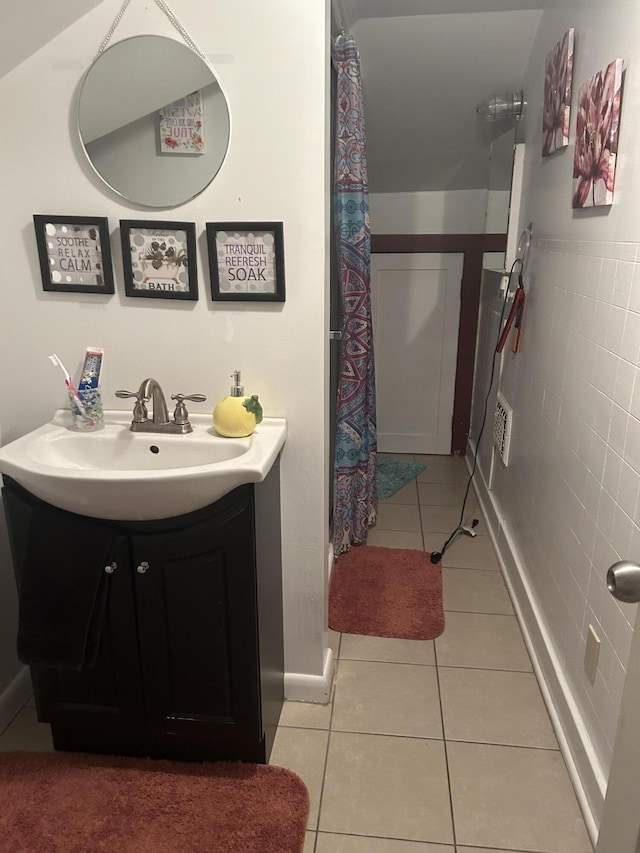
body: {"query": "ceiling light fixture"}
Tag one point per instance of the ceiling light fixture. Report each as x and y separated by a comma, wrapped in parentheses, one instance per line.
(498, 107)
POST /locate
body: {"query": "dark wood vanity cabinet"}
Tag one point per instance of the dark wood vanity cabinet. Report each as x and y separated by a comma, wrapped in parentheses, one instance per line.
(189, 666)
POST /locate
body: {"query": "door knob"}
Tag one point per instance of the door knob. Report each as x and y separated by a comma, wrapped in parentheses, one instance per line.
(142, 568)
(623, 581)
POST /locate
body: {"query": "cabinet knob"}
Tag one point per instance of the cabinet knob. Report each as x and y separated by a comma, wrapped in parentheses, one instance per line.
(142, 568)
(110, 569)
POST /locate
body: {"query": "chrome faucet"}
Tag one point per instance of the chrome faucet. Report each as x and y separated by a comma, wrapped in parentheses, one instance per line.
(150, 390)
(160, 413)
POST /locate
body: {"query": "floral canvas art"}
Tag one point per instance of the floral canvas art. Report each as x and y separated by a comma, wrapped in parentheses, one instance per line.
(558, 77)
(597, 129)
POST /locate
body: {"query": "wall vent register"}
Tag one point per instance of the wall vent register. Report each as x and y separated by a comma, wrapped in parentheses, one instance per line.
(502, 421)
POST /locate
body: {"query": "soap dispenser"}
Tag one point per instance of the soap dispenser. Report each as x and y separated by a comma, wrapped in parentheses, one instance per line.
(236, 416)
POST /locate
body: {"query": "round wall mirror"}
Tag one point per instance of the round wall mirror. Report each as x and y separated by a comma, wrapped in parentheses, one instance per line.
(153, 121)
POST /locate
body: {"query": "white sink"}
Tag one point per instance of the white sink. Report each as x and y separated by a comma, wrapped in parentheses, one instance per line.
(117, 474)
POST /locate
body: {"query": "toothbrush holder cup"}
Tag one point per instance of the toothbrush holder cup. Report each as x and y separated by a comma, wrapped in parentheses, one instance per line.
(86, 410)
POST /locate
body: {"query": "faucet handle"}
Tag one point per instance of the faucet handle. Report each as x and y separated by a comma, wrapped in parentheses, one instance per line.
(181, 415)
(196, 398)
(140, 413)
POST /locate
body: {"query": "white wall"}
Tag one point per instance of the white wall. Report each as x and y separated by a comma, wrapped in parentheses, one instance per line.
(455, 212)
(36, 29)
(275, 74)
(567, 506)
(497, 217)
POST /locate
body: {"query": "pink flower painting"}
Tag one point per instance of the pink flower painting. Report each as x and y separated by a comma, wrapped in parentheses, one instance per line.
(558, 77)
(598, 124)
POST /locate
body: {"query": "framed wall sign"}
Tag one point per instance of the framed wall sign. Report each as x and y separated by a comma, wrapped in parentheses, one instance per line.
(159, 259)
(74, 253)
(246, 261)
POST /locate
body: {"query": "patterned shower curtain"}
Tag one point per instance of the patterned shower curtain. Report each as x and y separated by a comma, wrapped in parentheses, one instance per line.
(355, 493)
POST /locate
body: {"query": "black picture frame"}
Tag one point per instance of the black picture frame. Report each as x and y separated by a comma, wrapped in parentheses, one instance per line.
(246, 261)
(74, 253)
(159, 259)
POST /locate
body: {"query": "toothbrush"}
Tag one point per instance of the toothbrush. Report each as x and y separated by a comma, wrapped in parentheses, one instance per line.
(69, 383)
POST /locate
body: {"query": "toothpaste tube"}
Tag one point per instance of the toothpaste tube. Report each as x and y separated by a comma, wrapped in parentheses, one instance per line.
(90, 377)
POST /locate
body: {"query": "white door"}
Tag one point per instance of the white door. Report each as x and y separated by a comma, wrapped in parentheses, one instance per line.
(416, 310)
(620, 824)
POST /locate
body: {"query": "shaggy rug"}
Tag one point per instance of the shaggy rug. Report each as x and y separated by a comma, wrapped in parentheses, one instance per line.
(394, 473)
(72, 803)
(386, 592)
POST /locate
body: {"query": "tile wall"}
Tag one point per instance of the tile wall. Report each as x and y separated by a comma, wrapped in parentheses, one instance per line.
(569, 497)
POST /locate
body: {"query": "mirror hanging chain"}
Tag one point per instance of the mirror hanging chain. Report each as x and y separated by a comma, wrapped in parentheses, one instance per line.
(164, 7)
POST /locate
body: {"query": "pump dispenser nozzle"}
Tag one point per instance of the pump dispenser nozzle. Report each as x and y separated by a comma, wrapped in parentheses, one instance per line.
(237, 389)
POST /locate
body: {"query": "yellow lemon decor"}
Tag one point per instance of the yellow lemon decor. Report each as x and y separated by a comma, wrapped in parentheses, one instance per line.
(237, 415)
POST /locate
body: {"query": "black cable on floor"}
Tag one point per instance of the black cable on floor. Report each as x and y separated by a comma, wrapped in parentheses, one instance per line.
(436, 556)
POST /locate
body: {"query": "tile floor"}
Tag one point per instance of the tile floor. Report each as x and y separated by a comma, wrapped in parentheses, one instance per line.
(438, 746)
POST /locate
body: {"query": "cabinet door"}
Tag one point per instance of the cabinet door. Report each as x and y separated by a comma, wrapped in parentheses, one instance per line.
(196, 601)
(100, 708)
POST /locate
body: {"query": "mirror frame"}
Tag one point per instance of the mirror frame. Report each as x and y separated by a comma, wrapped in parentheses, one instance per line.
(118, 117)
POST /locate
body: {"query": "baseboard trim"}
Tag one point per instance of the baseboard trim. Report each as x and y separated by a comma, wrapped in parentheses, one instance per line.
(14, 696)
(587, 776)
(300, 687)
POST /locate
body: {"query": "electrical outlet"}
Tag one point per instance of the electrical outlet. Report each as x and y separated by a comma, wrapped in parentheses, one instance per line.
(591, 654)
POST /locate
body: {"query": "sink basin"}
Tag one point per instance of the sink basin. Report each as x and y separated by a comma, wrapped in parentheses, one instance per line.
(117, 474)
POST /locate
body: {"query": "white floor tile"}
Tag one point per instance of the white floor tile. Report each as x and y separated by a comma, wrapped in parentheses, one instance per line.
(507, 708)
(304, 752)
(516, 799)
(26, 734)
(331, 843)
(359, 647)
(465, 552)
(410, 539)
(445, 494)
(306, 715)
(482, 641)
(393, 787)
(475, 591)
(387, 698)
(398, 517)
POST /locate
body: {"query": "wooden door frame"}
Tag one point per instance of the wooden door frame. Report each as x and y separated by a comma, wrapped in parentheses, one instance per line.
(473, 247)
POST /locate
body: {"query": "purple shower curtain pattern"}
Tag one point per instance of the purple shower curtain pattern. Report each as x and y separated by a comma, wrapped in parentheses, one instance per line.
(356, 492)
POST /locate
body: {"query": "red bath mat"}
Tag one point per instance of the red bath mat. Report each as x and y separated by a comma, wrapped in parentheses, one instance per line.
(386, 592)
(62, 802)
